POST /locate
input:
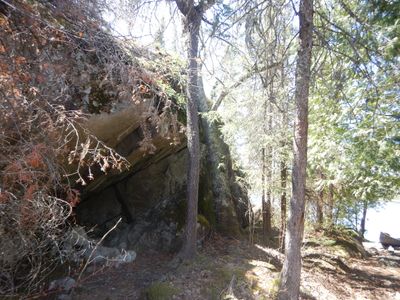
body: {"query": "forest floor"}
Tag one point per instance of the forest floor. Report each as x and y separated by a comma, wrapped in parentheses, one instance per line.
(232, 269)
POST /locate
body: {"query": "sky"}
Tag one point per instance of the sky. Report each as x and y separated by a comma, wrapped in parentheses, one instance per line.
(385, 219)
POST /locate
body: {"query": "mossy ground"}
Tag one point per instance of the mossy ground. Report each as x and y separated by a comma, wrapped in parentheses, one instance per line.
(160, 291)
(341, 242)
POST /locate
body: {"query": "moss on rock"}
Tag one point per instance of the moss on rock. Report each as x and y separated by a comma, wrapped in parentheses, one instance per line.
(202, 220)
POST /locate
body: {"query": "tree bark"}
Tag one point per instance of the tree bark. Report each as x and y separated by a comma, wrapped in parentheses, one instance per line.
(269, 169)
(329, 214)
(283, 167)
(267, 163)
(320, 212)
(283, 204)
(363, 219)
(192, 24)
(263, 202)
(266, 179)
(320, 203)
(290, 277)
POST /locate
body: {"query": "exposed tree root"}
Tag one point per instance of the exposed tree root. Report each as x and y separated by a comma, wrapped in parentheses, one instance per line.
(353, 273)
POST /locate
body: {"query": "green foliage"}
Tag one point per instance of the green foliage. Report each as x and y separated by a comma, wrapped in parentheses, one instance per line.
(353, 123)
(386, 14)
(246, 111)
(171, 93)
(171, 75)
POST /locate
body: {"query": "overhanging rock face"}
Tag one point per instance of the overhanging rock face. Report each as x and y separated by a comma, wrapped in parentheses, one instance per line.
(150, 200)
(150, 197)
(131, 133)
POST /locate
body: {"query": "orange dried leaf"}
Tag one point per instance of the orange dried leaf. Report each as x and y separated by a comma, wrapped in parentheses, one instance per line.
(34, 160)
(4, 198)
(30, 191)
(3, 21)
(20, 60)
(17, 92)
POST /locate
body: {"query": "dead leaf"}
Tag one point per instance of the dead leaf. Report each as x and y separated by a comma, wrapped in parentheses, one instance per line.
(85, 149)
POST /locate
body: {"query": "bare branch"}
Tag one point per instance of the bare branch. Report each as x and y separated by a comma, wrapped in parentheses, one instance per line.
(227, 90)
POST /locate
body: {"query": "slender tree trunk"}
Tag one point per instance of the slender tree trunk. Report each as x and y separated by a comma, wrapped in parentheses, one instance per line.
(263, 178)
(263, 202)
(269, 173)
(266, 187)
(320, 204)
(329, 214)
(364, 218)
(193, 143)
(283, 166)
(320, 212)
(268, 214)
(290, 277)
(267, 165)
(355, 216)
(193, 20)
(283, 204)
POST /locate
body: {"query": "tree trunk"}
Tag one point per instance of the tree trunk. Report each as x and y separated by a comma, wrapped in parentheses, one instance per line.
(329, 214)
(268, 225)
(263, 202)
(283, 204)
(268, 215)
(263, 178)
(192, 25)
(320, 212)
(320, 202)
(364, 218)
(192, 19)
(283, 167)
(290, 277)
(267, 167)
(266, 194)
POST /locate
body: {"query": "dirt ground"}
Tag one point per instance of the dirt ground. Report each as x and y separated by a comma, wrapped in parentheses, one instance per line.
(232, 269)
